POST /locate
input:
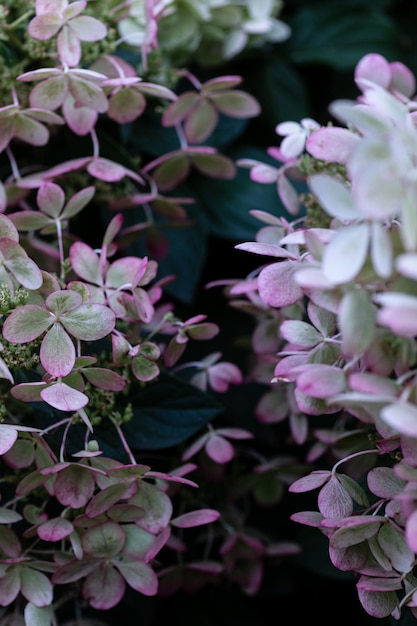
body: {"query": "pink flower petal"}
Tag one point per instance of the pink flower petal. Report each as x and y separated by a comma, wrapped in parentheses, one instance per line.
(332, 144)
(106, 170)
(104, 587)
(69, 47)
(35, 587)
(219, 449)
(50, 93)
(88, 28)
(57, 353)
(320, 381)
(50, 199)
(103, 540)
(74, 485)
(63, 397)
(31, 131)
(126, 105)
(55, 529)
(9, 586)
(8, 436)
(277, 286)
(374, 67)
(80, 119)
(196, 518)
(44, 26)
(139, 576)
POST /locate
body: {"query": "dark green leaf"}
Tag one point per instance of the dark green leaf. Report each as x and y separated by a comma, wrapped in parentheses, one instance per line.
(282, 94)
(339, 34)
(227, 203)
(166, 413)
(147, 136)
(227, 130)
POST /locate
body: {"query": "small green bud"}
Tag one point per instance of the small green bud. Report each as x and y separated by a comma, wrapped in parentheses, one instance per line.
(93, 446)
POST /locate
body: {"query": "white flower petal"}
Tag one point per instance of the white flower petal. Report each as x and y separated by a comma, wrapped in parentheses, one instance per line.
(381, 250)
(345, 255)
(334, 197)
(293, 145)
(401, 416)
(406, 264)
(288, 128)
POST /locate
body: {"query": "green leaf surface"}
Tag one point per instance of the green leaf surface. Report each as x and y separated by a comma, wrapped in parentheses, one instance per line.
(282, 94)
(339, 34)
(227, 203)
(227, 131)
(147, 136)
(166, 413)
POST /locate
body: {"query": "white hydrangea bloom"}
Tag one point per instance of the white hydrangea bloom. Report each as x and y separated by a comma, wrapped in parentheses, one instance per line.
(223, 28)
(295, 135)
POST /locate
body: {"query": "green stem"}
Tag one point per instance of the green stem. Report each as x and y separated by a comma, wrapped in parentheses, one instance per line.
(18, 20)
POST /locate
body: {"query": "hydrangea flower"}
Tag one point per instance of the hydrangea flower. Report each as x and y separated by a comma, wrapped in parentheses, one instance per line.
(295, 135)
(219, 375)
(394, 76)
(216, 444)
(199, 111)
(63, 316)
(63, 18)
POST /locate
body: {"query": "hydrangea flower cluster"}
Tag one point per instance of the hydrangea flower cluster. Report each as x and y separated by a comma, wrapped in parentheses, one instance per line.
(211, 31)
(339, 298)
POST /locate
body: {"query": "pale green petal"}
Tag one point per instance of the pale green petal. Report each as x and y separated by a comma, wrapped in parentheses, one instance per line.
(334, 197)
(26, 323)
(89, 322)
(345, 254)
(357, 322)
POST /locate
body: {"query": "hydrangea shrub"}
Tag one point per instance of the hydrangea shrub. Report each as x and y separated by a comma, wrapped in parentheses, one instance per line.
(97, 365)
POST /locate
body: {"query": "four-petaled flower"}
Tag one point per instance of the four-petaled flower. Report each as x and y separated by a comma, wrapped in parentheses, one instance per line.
(64, 314)
(193, 328)
(199, 110)
(216, 374)
(295, 135)
(126, 90)
(118, 284)
(59, 17)
(216, 444)
(25, 124)
(142, 358)
(78, 91)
